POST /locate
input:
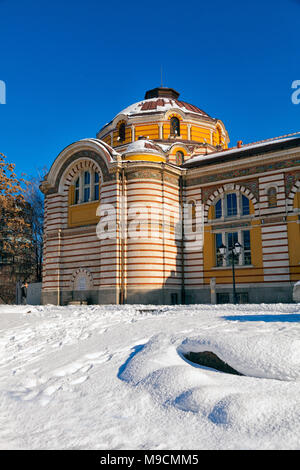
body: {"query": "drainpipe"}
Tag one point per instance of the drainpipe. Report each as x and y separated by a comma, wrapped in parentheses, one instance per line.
(123, 234)
(163, 226)
(182, 186)
(118, 235)
(58, 269)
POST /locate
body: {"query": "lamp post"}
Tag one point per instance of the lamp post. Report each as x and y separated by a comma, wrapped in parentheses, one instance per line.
(235, 250)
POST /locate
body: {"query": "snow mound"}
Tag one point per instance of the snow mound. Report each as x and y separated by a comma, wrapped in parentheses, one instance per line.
(263, 402)
(114, 377)
(254, 355)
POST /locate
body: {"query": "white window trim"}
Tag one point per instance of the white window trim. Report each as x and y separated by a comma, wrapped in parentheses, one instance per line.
(82, 186)
(241, 258)
(239, 215)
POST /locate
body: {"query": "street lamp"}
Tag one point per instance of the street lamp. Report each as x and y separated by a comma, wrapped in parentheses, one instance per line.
(234, 250)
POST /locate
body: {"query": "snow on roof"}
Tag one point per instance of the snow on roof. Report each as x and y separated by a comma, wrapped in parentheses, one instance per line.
(245, 147)
(144, 146)
(161, 105)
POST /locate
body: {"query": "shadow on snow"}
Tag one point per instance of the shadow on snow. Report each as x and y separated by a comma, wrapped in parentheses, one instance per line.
(292, 318)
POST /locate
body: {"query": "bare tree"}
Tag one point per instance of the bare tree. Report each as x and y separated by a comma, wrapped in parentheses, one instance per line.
(35, 198)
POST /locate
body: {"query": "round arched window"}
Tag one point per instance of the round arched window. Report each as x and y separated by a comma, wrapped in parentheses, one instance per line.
(122, 131)
(272, 197)
(175, 126)
(179, 158)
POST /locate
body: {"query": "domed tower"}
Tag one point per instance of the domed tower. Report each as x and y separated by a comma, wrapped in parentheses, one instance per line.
(134, 169)
(175, 130)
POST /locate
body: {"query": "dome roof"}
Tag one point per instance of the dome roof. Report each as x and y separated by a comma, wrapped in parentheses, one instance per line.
(144, 146)
(161, 100)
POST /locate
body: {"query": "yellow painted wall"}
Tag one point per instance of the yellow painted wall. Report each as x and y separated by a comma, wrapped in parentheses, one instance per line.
(145, 157)
(244, 274)
(297, 200)
(183, 131)
(71, 195)
(199, 134)
(166, 130)
(83, 214)
(294, 246)
(107, 139)
(127, 140)
(147, 130)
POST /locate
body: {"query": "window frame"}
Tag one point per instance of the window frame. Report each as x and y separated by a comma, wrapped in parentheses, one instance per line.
(225, 261)
(173, 128)
(81, 186)
(223, 201)
(271, 204)
(122, 131)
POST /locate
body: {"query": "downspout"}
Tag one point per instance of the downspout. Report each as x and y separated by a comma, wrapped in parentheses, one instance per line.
(182, 187)
(123, 234)
(163, 228)
(58, 269)
(118, 240)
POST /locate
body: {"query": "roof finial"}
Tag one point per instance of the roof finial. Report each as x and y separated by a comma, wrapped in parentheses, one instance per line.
(161, 76)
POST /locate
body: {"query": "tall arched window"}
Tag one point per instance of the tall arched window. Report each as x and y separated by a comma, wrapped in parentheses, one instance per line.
(179, 158)
(272, 197)
(122, 131)
(77, 189)
(174, 126)
(232, 205)
(192, 214)
(87, 187)
(96, 186)
(219, 135)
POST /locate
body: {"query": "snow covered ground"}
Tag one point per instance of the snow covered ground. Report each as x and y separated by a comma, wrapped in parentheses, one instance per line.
(109, 377)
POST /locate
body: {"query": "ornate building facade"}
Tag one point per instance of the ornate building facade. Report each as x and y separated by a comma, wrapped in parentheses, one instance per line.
(163, 153)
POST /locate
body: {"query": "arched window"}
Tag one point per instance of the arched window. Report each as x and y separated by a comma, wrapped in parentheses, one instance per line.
(87, 187)
(175, 126)
(219, 135)
(122, 131)
(231, 205)
(231, 201)
(77, 189)
(218, 209)
(192, 214)
(179, 158)
(245, 205)
(272, 197)
(96, 186)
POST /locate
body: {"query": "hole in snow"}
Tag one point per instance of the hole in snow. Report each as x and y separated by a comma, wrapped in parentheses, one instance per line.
(209, 359)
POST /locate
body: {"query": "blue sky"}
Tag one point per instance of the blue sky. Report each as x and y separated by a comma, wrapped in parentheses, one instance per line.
(71, 66)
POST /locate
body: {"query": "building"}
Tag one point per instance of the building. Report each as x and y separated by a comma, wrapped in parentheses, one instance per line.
(164, 153)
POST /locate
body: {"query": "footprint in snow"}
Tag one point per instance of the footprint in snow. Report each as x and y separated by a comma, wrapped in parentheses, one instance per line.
(43, 388)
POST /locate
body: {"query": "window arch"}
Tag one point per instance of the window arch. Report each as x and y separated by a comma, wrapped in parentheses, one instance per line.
(175, 126)
(231, 204)
(272, 197)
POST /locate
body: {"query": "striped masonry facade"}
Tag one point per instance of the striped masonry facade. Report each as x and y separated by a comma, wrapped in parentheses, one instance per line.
(274, 235)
